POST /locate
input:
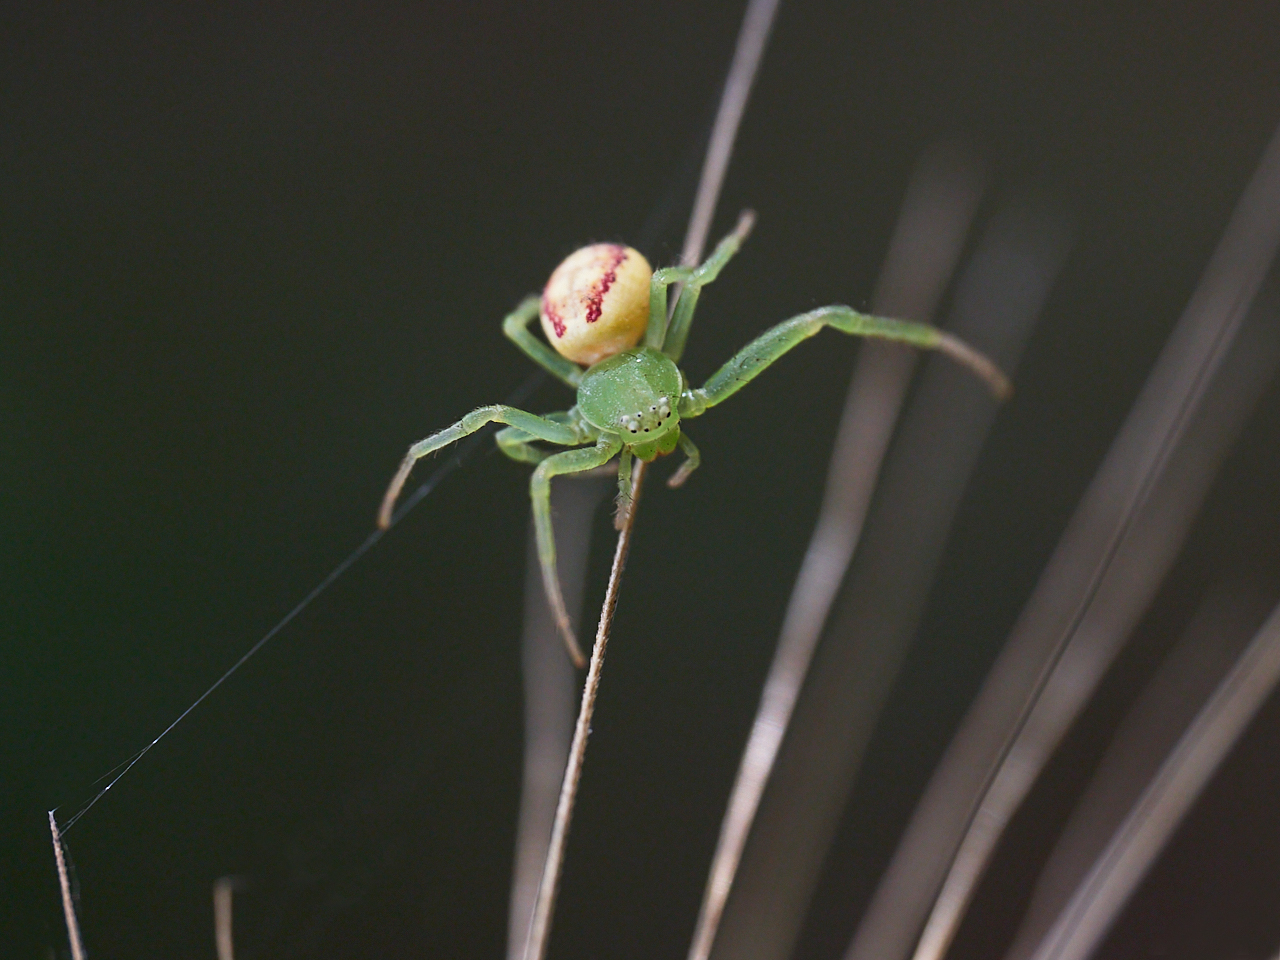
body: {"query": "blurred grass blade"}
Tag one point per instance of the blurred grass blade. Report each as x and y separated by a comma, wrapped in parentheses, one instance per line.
(752, 37)
(1103, 573)
(223, 894)
(550, 686)
(878, 607)
(1166, 801)
(1208, 649)
(935, 219)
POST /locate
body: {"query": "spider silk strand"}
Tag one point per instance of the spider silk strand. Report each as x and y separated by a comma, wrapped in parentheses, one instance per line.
(460, 455)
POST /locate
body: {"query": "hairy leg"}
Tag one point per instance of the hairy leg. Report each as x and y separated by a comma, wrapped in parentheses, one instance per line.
(570, 461)
(542, 429)
(518, 445)
(516, 327)
(624, 489)
(755, 357)
(658, 314)
(678, 331)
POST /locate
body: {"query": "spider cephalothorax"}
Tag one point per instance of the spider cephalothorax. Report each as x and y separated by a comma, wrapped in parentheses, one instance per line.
(632, 398)
(635, 394)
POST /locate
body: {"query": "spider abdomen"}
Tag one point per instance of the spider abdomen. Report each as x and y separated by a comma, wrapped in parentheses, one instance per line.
(596, 303)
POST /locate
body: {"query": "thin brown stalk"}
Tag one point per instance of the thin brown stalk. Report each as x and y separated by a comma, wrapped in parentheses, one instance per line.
(1189, 674)
(733, 101)
(1212, 643)
(68, 908)
(746, 61)
(540, 925)
(550, 690)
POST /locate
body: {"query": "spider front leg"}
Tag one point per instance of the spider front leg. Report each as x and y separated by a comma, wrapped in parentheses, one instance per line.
(516, 327)
(658, 312)
(570, 461)
(682, 319)
(567, 435)
(670, 338)
(755, 357)
(692, 458)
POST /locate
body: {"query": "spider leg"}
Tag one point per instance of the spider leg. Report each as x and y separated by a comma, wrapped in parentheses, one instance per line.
(570, 461)
(518, 445)
(658, 313)
(516, 327)
(692, 459)
(565, 434)
(678, 330)
(756, 356)
(624, 489)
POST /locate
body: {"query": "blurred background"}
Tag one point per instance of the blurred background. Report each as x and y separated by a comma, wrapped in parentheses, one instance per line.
(248, 254)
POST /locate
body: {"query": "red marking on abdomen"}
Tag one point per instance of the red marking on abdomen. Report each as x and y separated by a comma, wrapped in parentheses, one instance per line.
(557, 322)
(595, 299)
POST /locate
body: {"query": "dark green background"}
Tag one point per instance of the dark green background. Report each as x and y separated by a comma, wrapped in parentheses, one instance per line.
(248, 253)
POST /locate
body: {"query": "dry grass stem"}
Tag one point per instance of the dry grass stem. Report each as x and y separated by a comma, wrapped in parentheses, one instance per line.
(1209, 647)
(550, 689)
(882, 598)
(1165, 802)
(68, 907)
(922, 255)
(223, 891)
(544, 906)
(742, 72)
(1104, 572)
(733, 101)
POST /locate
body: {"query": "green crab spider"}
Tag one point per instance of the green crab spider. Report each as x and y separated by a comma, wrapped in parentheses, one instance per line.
(632, 399)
